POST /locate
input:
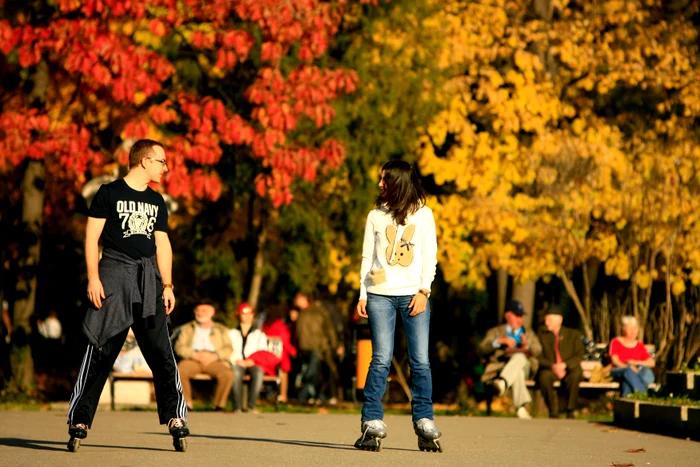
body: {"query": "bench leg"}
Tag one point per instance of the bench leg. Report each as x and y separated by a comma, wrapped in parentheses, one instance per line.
(278, 387)
(537, 405)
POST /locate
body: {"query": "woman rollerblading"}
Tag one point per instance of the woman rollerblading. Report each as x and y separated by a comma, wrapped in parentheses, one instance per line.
(399, 257)
(373, 432)
(428, 435)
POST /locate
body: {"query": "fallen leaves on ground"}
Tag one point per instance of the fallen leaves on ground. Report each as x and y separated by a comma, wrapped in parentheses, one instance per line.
(636, 450)
(621, 464)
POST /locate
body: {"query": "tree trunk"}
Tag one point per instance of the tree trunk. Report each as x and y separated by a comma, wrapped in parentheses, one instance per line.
(585, 318)
(586, 289)
(543, 9)
(33, 193)
(502, 291)
(682, 323)
(32, 210)
(525, 294)
(643, 315)
(258, 265)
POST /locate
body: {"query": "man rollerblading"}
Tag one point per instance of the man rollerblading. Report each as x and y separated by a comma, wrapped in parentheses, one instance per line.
(179, 431)
(130, 286)
(373, 432)
(428, 435)
(76, 432)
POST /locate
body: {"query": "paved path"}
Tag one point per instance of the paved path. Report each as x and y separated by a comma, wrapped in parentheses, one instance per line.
(135, 439)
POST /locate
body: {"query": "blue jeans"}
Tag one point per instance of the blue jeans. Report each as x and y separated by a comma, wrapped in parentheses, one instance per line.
(382, 311)
(632, 381)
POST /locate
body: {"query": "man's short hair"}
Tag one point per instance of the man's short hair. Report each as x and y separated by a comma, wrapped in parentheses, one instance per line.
(141, 148)
(205, 303)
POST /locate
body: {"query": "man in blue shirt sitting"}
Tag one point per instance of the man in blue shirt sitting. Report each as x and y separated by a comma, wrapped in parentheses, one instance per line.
(512, 353)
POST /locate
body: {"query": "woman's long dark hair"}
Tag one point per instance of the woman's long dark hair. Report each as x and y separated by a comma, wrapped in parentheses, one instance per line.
(402, 194)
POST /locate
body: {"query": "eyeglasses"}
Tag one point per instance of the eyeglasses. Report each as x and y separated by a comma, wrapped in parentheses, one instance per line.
(163, 162)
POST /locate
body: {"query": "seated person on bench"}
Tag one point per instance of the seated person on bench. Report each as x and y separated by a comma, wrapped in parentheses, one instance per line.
(130, 358)
(247, 339)
(512, 353)
(562, 352)
(631, 363)
(205, 347)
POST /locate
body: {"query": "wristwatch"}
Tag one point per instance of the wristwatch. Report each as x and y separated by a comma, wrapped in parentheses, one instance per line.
(424, 292)
(165, 286)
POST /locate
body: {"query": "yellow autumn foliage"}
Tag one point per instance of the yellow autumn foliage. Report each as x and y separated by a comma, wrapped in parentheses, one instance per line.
(566, 140)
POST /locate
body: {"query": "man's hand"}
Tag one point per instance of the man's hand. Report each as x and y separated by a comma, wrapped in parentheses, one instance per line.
(169, 300)
(204, 357)
(95, 292)
(362, 308)
(340, 351)
(417, 305)
(559, 370)
(247, 363)
(523, 340)
(508, 342)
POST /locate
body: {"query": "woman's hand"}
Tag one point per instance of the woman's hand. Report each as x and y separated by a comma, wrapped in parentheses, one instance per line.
(362, 308)
(418, 304)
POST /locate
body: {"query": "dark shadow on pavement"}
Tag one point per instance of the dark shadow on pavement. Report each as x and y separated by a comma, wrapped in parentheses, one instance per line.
(35, 444)
(41, 445)
(309, 444)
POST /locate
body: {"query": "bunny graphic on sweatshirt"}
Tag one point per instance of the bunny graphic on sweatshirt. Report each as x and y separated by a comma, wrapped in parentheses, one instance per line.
(400, 252)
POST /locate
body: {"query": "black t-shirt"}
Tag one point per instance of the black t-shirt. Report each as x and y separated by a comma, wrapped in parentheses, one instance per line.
(132, 217)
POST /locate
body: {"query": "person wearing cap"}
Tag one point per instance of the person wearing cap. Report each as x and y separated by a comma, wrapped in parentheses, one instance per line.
(247, 339)
(562, 352)
(512, 353)
(203, 346)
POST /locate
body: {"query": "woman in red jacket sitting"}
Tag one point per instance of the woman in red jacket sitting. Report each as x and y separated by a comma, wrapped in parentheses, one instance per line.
(275, 326)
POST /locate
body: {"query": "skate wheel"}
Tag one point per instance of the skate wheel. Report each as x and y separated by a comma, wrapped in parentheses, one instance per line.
(439, 445)
(430, 446)
(370, 447)
(180, 444)
(73, 444)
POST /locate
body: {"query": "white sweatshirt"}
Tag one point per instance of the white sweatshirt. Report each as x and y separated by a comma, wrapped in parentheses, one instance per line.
(398, 260)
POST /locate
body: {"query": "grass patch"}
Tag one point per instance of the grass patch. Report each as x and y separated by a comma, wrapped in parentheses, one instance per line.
(13, 397)
(683, 400)
(19, 406)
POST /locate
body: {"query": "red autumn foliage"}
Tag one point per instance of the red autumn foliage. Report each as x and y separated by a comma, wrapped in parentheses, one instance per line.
(132, 81)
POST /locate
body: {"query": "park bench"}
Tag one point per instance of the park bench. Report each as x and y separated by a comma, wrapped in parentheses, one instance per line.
(274, 345)
(589, 385)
